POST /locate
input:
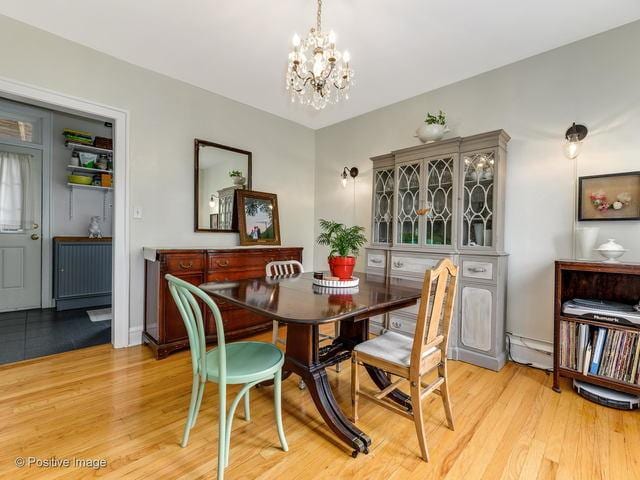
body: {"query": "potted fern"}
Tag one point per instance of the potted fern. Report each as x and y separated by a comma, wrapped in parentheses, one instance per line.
(344, 246)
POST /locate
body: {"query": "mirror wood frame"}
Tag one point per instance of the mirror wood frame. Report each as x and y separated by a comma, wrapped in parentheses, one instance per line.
(197, 144)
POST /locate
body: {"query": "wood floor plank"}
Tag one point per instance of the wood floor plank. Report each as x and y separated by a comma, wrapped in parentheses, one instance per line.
(128, 408)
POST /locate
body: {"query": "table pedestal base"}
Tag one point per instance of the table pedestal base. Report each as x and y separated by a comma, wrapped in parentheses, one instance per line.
(305, 358)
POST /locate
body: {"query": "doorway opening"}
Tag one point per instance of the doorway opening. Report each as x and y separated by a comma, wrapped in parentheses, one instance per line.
(60, 186)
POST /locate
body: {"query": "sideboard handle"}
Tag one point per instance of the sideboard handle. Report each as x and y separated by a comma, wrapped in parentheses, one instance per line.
(186, 266)
(376, 260)
(477, 269)
(223, 263)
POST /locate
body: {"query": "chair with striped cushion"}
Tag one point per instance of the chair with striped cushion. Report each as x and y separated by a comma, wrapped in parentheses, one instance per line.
(283, 268)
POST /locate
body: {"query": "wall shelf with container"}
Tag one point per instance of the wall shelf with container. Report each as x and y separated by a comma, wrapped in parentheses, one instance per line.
(90, 167)
(86, 148)
(446, 199)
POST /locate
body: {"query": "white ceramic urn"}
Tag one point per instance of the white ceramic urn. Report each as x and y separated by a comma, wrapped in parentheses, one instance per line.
(431, 133)
(611, 250)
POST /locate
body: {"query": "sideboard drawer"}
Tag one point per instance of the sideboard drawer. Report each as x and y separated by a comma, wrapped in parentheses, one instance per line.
(220, 262)
(375, 260)
(480, 269)
(412, 265)
(185, 263)
(378, 319)
(401, 324)
(234, 261)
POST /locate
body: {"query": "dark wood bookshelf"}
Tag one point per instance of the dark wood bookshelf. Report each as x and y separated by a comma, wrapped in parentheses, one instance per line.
(618, 282)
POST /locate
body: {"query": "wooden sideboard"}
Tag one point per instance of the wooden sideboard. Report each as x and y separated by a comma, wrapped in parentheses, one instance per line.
(164, 329)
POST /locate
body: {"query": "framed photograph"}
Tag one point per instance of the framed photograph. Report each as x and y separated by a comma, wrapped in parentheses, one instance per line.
(258, 220)
(615, 196)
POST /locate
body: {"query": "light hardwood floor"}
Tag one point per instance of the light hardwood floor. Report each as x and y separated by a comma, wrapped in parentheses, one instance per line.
(127, 408)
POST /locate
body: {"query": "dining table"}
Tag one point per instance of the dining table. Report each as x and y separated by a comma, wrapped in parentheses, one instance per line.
(304, 307)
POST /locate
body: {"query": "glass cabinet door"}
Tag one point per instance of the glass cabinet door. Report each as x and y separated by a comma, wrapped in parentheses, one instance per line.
(408, 204)
(438, 221)
(382, 204)
(477, 209)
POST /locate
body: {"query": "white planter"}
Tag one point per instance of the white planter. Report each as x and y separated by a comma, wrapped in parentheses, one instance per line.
(586, 241)
(239, 180)
(431, 133)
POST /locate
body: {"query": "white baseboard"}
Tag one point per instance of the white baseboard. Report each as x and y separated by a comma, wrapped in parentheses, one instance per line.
(526, 350)
(135, 336)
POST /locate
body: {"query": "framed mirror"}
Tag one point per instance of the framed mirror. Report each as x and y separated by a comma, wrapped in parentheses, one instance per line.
(219, 171)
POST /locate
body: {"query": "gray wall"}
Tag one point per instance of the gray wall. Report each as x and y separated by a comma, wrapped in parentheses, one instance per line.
(594, 81)
(165, 116)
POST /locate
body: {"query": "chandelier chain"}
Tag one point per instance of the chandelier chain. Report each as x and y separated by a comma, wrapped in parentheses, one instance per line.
(319, 16)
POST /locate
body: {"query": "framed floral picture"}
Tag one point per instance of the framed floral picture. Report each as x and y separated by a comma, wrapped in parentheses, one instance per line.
(615, 196)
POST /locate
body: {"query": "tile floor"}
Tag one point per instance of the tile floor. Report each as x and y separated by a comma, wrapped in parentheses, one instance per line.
(36, 333)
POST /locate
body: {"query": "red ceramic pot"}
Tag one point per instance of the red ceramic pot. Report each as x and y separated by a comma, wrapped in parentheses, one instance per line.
(342, 267)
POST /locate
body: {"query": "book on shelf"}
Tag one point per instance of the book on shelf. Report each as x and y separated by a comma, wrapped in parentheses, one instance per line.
(606, 352)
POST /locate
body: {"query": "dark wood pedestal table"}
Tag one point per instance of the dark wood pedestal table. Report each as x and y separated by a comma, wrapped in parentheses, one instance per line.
(304, 307)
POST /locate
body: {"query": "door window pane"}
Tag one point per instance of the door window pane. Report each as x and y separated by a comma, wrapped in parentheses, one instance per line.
(20, 129)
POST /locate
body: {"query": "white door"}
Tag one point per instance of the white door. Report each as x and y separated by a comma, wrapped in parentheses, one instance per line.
(20, 233)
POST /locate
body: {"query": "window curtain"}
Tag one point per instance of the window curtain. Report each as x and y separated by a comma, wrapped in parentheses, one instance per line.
(16, 196)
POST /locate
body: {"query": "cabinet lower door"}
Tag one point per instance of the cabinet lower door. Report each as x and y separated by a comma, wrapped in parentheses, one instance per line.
(477, 314)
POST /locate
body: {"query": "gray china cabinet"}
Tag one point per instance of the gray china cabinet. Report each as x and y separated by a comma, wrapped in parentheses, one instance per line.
(446, 199)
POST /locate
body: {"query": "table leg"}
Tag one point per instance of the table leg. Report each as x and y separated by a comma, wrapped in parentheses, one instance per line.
(302, 357)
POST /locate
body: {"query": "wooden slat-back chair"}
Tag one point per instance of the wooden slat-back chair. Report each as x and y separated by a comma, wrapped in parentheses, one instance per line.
(282, 268)
(410, 359)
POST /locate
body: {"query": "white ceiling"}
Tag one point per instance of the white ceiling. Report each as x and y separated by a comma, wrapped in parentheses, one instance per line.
(400, 48)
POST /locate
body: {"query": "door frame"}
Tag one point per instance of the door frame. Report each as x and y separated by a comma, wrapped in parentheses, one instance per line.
(45, 98)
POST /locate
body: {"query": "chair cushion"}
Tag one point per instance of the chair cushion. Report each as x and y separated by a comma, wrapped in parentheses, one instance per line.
(246, 362)
(392, 347)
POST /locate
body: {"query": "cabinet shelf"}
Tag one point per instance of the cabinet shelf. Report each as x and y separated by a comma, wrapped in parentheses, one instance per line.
(73, 168)
(86, 148)
(88, 187)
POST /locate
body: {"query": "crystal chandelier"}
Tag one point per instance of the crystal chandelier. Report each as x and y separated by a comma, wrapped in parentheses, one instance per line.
(318, 74)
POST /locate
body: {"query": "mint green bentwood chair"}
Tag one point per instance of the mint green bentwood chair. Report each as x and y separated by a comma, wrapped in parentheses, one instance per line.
(247, 363)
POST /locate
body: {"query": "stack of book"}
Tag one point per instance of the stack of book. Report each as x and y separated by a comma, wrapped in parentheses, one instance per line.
(77, 136)
(606, 352)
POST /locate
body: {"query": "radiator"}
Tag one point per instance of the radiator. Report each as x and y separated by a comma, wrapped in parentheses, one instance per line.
(82, 273)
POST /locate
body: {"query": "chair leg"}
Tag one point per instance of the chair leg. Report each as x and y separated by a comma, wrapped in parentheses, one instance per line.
(274, 333)
(355, 386)
(192, 407)
(277, 406)
(198, 403)
(418, 418)
(444, 393)
(222, 440)
(247, 411)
